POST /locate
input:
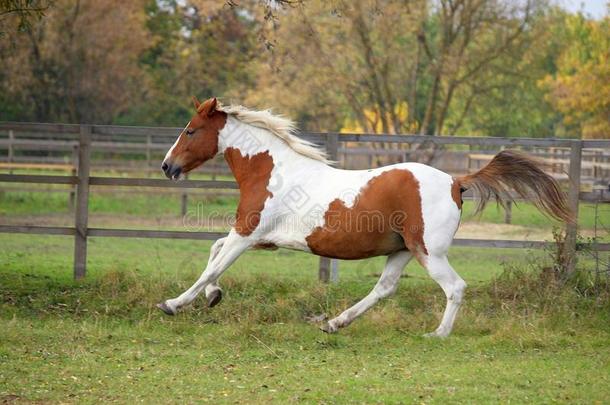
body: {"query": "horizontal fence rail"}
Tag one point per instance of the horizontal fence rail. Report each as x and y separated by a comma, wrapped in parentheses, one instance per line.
(172, 132)
(92, 138)
(160, 234)
(117, 181)
(589, 196)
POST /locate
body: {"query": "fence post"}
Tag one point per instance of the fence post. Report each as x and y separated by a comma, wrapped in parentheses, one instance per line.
(82, 202)
(324, 269)
(11, 152)
(72, 195)
(148, 145)
(508, 212)
(184, 199)
(334, 270)
(332, 149)
(573, 196)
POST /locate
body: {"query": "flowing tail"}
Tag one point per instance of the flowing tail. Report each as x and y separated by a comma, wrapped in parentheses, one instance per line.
(517, 171)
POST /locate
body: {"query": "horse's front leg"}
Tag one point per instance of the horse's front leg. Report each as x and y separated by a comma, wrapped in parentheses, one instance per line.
(234, 245)
(213, 292)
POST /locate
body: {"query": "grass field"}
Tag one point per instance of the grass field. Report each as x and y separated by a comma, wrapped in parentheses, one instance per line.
(519, 338)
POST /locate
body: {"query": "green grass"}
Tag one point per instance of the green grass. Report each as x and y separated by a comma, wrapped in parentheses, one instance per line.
(142, 205)
(518, 339)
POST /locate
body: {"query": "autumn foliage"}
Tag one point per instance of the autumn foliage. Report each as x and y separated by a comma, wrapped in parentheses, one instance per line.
(471, 67)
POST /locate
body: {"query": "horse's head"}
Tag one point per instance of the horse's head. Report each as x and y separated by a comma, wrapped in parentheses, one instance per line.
(198, 141)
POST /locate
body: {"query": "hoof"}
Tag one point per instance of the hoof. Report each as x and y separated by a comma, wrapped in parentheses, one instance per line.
(214, 298)
(436, 335)
(165, 308)
(327, 328)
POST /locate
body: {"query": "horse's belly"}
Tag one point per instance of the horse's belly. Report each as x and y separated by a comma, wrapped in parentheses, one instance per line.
(343, 244)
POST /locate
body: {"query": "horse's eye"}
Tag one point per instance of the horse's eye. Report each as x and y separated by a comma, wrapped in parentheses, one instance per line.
(190, 132)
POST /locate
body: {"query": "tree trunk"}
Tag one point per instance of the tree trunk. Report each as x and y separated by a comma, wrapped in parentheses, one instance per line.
(442, 114)
(431, 105)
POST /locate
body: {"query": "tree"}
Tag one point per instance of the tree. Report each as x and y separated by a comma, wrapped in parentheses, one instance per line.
(580, 89)
(490, 67)
(471, 37)
(368, 55)
(23, 12)
(197, 48)
(508, 101)
(78, 64)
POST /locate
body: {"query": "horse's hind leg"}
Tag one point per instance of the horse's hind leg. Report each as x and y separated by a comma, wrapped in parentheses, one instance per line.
(452, 284)
(386, 286)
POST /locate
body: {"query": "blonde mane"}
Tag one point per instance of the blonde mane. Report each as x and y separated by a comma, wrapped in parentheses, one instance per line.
(279, 126)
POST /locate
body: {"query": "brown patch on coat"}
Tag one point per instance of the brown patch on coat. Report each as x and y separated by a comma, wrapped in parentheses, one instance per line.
(252, 174)
(193, 150)
(456, 193)
(386, 217)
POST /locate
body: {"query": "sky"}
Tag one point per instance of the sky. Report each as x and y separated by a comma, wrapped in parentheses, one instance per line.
(594, 8)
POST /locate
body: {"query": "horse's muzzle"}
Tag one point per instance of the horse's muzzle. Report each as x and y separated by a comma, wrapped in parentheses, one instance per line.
(171, 171)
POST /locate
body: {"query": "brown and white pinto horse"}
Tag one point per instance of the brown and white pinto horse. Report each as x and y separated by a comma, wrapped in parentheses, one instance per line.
(291, 197)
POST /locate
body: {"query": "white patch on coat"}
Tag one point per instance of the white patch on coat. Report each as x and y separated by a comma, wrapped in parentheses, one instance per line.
(169, 152)
(440, 214)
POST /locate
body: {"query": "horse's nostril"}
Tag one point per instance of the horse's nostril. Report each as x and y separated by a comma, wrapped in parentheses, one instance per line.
(164, 166)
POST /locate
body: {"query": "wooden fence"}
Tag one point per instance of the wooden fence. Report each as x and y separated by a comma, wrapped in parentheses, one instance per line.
(91, 137)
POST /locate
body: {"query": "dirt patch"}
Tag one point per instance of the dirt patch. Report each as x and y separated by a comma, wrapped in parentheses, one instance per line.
(486, 230)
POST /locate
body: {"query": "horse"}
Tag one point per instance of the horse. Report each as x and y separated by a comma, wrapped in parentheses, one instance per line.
(292, 197)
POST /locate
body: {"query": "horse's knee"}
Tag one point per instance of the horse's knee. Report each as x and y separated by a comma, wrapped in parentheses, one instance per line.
(216, 247)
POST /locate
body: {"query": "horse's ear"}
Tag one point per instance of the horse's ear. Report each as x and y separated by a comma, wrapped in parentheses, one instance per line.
(196, 103)
(208, 107)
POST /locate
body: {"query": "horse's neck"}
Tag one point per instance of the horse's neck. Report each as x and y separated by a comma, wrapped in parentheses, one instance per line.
(254, 153)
